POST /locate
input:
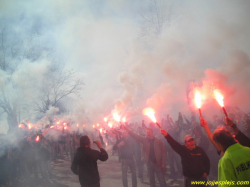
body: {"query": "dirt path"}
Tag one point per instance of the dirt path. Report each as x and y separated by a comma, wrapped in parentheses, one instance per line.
(110, 173)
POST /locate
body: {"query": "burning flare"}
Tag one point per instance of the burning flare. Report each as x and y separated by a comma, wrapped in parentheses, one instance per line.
(198, 99)
(37, 138)
(117, 117)
(105, 119)
(150, 113)
(110, 124)
(219, 97)
(124, 119)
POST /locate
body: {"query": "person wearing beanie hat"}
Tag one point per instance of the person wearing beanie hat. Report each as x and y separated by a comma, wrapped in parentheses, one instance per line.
(85, 162)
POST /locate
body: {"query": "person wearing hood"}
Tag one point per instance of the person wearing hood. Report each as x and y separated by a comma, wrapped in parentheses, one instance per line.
(85, 163)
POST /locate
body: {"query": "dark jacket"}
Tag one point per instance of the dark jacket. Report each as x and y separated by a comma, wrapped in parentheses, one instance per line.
(243, 139)
(194, 162)
(85, 165)
(127, 150)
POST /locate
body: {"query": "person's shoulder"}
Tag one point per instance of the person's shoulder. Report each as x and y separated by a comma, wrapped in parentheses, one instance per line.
(94, 151)
(225, 160)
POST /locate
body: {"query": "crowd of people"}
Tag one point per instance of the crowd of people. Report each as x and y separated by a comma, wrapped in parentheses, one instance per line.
(186, 146)
(190, 149)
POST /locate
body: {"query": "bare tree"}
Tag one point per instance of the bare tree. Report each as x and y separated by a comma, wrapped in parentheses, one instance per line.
(12, 54)
(154, 17)
(58, 85)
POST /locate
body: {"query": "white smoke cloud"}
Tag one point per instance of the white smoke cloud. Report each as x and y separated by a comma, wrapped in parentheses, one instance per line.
(201, 42)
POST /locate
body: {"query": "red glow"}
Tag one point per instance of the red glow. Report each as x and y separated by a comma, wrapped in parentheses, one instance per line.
(150, 113)
(110, 124)
(37, 138)
(124, 119)
(65, 128)
(105, 119)
(117, 117)
(198, 99)
(219, 97)
(51, 127)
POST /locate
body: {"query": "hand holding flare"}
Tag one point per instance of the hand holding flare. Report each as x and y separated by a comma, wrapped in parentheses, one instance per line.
(151, 114)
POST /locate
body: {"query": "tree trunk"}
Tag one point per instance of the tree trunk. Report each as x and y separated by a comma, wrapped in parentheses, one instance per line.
(12, 122)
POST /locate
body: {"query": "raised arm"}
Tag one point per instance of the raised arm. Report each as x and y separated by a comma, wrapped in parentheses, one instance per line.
(103, 156)
(134, 135)
(110, 133)
(176, 146)
(203, 123)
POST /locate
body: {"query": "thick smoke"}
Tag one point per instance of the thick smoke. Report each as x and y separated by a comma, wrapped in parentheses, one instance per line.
(202, 44)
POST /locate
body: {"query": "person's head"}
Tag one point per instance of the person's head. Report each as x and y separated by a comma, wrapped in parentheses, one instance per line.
(84, 141)
(223, 138)
(149, 133)
(189, 142)
(125, 134)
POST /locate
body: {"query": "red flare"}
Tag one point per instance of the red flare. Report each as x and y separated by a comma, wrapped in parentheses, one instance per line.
(219, 97)
(198, 99)
(150, 113)
(124, 119)
(117, 117)
(110, 124)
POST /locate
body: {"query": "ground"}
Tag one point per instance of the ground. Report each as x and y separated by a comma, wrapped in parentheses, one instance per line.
(110, 173)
